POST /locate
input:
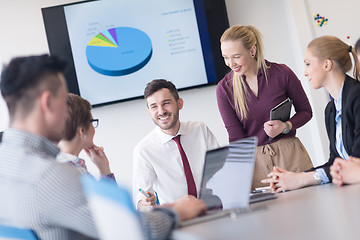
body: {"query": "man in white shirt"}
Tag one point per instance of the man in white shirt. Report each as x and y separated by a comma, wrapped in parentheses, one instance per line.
(158, 162)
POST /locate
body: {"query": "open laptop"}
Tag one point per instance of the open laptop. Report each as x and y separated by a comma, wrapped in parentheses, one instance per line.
(227, 178)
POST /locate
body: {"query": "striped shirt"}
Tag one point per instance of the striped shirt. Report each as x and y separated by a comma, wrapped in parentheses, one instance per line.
(39, 193)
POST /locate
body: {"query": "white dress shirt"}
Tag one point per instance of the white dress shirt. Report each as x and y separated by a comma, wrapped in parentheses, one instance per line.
(158, 165)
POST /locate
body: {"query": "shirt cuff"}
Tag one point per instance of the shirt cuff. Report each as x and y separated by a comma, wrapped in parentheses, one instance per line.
(324, 178)
(110, 177)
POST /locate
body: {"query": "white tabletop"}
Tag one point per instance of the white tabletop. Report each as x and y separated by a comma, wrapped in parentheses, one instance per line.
(319, 212)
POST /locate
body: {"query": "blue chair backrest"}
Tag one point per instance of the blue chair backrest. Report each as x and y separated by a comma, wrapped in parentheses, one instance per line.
(16, 233)
(112, 208)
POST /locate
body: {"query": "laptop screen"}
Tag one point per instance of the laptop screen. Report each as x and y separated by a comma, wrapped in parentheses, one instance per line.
(227, 175)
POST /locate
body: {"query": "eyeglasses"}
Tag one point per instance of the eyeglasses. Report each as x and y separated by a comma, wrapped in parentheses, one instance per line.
(94, 122)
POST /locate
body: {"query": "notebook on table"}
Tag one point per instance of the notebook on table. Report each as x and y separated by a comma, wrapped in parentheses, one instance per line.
(227, 179)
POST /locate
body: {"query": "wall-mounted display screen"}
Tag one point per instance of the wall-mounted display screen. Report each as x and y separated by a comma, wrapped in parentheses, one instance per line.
(114, 48)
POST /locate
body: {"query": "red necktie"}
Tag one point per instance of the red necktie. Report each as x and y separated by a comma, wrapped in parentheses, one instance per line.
(189, 177)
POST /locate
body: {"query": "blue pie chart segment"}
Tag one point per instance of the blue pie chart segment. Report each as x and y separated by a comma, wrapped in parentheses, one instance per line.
(119, 51)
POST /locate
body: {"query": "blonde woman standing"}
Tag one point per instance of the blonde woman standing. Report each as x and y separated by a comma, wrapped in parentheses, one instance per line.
(247, 94)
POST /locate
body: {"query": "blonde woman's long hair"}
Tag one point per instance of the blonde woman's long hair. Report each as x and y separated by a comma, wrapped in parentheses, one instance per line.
(249, 36)
(330, 47)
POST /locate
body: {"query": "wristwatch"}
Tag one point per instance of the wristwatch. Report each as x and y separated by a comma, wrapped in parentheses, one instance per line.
(287, 129)
(316, 176)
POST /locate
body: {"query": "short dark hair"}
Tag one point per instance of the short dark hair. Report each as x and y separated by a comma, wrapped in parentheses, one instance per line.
(158, 84)
(357, 46)
(79, 115)
(25, 78)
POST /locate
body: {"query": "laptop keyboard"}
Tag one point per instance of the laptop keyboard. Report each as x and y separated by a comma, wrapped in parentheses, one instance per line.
(258, 197)
(214, 214)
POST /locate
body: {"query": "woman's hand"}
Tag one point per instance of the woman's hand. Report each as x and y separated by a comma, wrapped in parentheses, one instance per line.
(97, 155)
(345, 171)
(281, 180)
(273, 128)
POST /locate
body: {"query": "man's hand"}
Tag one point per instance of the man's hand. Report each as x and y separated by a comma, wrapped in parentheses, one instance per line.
(148, 201)
(187, 207)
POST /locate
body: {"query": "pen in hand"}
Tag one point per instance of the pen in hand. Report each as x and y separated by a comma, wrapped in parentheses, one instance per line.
(145, 193)
(148, 201)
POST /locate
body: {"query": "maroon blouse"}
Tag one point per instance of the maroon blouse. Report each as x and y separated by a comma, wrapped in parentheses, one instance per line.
(281, 84)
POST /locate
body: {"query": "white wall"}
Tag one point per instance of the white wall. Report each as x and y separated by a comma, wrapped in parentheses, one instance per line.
(123, 125)
(339, 25)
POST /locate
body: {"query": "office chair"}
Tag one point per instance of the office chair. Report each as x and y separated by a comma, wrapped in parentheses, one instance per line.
(114, 214)
(8, 232)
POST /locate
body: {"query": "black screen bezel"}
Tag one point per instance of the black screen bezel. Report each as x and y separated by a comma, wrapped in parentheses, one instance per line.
(59, 42)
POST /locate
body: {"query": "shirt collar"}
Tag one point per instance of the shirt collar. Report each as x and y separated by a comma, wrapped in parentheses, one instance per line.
(66, 157)
(21, 138)
(261, 71)
(339, 100)
(164, 138)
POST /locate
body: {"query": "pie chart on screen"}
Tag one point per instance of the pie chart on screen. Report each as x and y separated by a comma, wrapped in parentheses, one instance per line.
(119, 51)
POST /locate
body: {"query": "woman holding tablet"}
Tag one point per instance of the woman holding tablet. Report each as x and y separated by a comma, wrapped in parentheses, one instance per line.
(247, 94)
(327, 60)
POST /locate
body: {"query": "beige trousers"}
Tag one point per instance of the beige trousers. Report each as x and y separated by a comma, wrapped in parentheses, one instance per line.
(289, 154)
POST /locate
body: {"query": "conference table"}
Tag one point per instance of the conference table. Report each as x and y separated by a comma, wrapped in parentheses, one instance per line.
(317, 212)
